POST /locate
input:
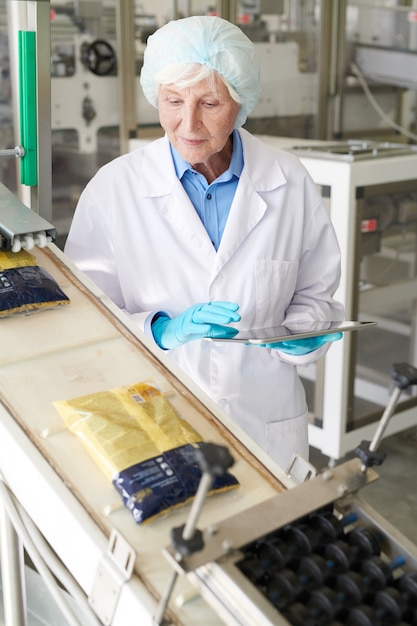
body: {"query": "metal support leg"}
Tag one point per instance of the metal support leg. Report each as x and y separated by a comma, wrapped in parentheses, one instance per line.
(404, 376)
(12, 571)
(214, 460)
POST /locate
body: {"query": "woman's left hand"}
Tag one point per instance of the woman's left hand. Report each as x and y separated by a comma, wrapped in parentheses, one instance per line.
(299, 347)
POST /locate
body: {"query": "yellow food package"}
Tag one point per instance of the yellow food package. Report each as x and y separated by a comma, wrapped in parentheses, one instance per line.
(141, 443)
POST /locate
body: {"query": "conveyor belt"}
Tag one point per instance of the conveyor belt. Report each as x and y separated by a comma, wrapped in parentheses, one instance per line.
(86, 347)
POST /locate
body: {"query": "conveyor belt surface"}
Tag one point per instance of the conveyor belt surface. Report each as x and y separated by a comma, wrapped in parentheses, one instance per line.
(86, 347)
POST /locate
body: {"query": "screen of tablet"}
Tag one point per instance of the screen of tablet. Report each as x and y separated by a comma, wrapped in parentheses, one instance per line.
(291, 332)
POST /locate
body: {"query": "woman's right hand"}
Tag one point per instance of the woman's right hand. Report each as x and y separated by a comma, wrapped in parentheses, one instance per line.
(201, 321)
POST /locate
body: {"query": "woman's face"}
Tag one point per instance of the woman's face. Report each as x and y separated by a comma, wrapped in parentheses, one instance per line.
(199, 119)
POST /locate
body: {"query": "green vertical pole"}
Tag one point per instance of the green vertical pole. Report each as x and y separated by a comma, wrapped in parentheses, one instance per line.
(27, 107)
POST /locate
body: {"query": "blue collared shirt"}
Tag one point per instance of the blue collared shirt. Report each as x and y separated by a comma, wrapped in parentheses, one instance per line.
(212, 202)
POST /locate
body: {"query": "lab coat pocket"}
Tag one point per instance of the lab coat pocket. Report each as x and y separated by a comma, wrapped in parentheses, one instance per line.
(275, 285)
(285, 438)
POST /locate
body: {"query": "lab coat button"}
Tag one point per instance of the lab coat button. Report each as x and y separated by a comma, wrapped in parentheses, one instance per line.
(222, 402)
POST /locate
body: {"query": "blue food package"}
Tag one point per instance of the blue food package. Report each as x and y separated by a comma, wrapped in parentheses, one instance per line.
(25, 287)
(164, 482)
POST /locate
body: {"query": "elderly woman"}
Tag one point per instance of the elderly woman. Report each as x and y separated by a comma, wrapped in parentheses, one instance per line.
(208, 230)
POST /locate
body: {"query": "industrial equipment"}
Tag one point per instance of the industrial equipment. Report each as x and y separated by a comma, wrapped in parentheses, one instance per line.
(20, 227)
(264, 550)
(385, 43)
(85, 85)
(276, 551)
(371, 194)
(299, 563)
(263, 558)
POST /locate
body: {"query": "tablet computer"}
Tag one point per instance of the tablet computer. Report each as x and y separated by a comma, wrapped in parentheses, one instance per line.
(300, 330)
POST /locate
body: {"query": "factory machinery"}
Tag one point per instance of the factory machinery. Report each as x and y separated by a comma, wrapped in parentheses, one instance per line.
(317, 556)
(370, 190)
(288, 546)
(314, 555)
(372, 51)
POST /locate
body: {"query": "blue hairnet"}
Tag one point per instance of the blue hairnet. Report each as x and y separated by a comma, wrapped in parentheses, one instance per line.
(207, 40)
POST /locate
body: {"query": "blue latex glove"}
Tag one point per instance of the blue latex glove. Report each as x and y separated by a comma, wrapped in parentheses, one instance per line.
(198, 322)
(303, 346)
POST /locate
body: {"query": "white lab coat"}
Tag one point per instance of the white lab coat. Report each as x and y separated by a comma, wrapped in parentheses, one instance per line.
(136, 234)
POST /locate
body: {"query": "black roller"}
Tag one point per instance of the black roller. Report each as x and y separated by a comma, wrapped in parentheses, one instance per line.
(376, 573)
(362, 615)
(350, 588)
(389, 606)
(314, 571)
(300, 541)
(253, 569)
(328, 527)
(340, 556)
(407, 583)
(275, 553)
(365, 541)
(283, 588)
(349, 552)
(298, 615)
(324, 606)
